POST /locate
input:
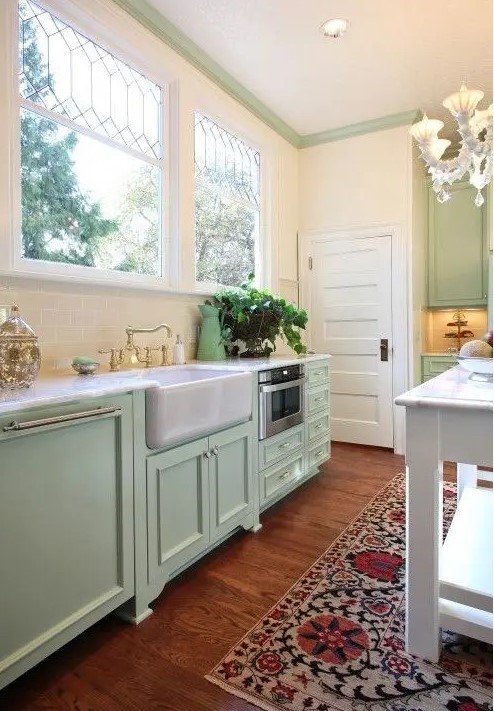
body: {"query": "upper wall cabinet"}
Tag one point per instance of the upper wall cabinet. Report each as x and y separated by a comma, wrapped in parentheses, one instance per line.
(457, 249)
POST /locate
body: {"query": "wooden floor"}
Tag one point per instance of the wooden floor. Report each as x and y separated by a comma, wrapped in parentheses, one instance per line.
(161, 664)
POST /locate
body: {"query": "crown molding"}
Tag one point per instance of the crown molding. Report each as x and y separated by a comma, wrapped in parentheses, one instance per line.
(165, 30)
(154, 21)
(382, 123)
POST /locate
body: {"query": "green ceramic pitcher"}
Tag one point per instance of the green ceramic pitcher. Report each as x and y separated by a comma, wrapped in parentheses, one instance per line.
(210, 342)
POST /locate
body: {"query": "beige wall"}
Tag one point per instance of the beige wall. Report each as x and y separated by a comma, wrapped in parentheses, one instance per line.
(356, 182)
(73, 318)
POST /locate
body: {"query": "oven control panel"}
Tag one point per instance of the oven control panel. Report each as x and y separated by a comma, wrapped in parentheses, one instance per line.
(281, 375)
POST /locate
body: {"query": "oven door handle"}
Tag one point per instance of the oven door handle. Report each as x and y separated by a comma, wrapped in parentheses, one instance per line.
(281, 386)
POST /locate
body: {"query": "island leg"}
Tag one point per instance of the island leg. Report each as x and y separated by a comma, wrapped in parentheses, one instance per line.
(424, 518)
(466, 475)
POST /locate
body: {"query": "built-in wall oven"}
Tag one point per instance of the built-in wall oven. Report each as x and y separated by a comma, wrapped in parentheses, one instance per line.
(281, 399)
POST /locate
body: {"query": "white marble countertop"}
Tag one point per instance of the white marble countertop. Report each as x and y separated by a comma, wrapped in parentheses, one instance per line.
(67, 388)
(451, 389)
(440, 354)
(257, 364)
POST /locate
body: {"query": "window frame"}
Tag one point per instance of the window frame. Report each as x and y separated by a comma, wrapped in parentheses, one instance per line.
(109, 26)
(262, 245)
(74, 16)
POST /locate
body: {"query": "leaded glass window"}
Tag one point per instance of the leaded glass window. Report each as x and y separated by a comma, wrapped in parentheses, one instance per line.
(227, 205)
(91, 150)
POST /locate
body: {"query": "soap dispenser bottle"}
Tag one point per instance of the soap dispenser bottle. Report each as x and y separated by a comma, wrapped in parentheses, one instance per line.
(178, 352)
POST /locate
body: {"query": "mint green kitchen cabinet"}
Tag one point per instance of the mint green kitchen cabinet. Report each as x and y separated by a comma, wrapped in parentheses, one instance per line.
(281, 464)
(433, 365)
(289, 458)
(230, 480)
(196, 495)
(318, 417)
(66, 525)
(457, 249)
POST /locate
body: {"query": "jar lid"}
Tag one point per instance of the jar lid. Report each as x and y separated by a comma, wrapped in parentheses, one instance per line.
(15, 326)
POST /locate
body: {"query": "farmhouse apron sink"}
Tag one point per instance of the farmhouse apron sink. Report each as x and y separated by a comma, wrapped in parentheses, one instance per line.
(187, 402)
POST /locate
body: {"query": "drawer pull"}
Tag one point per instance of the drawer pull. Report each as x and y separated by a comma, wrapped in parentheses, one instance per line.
(318, 372)
(318, 454)
(320, 426)
(319, 399)
(285, 475)
(285, 446)
(32, 424)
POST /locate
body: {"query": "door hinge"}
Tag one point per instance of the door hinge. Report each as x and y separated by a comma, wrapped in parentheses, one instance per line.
(310, 263)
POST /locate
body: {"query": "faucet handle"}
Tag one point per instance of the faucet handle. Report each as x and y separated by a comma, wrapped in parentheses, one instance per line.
(116, 357)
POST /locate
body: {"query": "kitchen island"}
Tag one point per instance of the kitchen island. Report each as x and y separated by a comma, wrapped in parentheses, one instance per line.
(448, 418)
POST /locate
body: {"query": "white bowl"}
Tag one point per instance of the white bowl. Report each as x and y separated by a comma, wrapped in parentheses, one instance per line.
(476, 365)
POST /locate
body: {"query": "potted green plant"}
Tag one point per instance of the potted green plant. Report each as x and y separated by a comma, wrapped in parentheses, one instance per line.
(257, 317)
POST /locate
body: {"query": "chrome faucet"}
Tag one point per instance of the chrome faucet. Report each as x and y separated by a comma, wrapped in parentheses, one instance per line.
(117, 355)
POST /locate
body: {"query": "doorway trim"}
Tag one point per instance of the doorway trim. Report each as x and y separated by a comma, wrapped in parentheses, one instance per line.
(399, 301)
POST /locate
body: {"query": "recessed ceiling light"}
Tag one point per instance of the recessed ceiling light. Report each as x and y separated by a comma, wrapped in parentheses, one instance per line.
(335, 27)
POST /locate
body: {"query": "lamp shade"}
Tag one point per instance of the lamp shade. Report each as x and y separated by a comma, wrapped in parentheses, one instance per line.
(438, 147)
(465, 100)
(426, 129)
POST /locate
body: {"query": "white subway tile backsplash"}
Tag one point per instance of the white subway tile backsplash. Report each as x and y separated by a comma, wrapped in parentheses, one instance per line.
(75, 319)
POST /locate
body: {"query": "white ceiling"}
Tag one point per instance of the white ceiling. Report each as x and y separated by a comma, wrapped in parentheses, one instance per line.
(398, 55)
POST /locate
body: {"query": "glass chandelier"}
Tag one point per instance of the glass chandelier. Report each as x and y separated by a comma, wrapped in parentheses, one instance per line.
(475, 153)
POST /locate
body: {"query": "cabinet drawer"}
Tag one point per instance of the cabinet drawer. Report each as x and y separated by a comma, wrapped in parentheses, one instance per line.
(276, 479)
(275, 448)
(319, 453)
(317, 427)
(435, 365)
(317, 400)
(317, 373)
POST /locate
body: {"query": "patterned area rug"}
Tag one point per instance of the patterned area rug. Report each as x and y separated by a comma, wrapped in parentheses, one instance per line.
(335, 640)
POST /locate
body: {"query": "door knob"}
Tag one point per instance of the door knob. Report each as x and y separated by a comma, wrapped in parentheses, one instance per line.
(215, 450)
(207, 454)
(384, 348)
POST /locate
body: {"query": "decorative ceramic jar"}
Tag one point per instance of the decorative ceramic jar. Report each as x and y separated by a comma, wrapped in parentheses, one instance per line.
(20, 357)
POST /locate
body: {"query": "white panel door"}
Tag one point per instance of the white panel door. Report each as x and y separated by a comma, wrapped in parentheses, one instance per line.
(350, 312)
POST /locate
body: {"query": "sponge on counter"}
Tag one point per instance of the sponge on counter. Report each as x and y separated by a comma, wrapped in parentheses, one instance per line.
(84, 360)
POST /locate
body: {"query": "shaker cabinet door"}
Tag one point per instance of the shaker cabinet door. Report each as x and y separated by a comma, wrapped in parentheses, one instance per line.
(66, 527)
(457, 249)
(177, 507)
(230, 471)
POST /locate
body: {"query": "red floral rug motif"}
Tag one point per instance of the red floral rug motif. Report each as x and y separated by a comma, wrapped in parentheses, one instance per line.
(334, 642)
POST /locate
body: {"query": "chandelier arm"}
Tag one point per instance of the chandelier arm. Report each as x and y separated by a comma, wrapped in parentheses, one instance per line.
(469, 133)
(446, 171)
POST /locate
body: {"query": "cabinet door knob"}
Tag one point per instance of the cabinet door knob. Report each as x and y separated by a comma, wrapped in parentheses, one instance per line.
(207, 454)
(215, 450)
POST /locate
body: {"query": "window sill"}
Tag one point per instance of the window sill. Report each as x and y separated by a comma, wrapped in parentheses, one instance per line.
(108, 280)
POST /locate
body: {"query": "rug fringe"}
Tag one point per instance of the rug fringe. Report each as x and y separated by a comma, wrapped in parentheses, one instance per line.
(260, 703)
(266, 614)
